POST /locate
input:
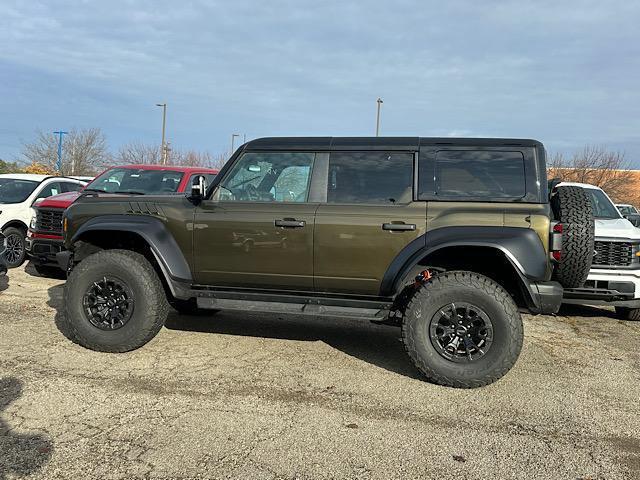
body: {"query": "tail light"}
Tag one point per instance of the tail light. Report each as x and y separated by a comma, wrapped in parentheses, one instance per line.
(555, 240)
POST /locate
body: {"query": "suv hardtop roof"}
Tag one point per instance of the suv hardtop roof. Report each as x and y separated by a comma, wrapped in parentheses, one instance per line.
(385, 143)
(176, 168)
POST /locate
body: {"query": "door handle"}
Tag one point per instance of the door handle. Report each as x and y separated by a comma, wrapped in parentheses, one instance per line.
(399, 227)
(290, 223)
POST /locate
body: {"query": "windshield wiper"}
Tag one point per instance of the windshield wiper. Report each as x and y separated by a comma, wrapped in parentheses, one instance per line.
(133, 192)
(92, 190)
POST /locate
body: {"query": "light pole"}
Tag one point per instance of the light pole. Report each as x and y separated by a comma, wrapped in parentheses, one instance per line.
(233, 137)
(379, 102)
(164, 124)
(60, 133)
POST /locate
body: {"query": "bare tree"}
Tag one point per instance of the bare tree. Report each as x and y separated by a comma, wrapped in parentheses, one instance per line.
(138, 153)
(84, 152)
(141, 153)
(596, 165)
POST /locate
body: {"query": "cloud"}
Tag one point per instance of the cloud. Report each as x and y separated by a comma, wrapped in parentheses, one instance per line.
(563, 72)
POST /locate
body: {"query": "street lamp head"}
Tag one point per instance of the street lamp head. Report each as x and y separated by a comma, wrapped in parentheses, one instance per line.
(379, 100)
(161, 104)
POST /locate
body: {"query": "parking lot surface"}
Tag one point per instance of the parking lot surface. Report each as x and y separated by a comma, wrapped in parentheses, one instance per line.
(265, 396)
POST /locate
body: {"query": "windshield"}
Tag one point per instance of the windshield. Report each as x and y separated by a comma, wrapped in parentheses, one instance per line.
(602, 206)
(13, 190)
(135, 180)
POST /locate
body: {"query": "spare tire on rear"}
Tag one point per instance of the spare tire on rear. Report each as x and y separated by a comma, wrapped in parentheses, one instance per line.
(572, 207)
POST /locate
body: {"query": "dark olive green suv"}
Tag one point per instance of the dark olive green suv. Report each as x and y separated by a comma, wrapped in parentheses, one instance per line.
(445, 237)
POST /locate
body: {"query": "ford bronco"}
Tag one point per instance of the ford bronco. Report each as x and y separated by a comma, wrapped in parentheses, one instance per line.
(447, 238)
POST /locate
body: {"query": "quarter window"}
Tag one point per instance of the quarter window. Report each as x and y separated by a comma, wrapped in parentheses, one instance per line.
(479, 174)
(370, 177)
(269, 177)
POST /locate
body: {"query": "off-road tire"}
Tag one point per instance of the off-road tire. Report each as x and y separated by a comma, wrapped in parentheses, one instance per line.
(442, 290)
(20, 235)
(626, 313)
(572, 207)
(150, 304)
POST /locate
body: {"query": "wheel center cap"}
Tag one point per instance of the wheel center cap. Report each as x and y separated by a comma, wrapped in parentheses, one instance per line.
(461, 330)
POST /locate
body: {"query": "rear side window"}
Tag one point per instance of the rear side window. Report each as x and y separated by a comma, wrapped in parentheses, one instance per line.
(71, 187)
(481, 174)
(370, 177)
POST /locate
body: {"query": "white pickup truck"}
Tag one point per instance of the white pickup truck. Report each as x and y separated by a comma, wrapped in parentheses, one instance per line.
(614, 278)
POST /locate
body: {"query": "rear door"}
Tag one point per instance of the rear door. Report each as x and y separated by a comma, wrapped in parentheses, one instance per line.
(369, 216)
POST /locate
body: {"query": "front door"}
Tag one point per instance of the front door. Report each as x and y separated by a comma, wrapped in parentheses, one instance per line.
(369, 217)
(257, 230)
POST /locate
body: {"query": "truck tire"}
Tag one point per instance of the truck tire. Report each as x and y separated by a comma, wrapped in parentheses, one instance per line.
(462, 330)
(626, 313)
(16, 250)
(572, 207)
(114, 301)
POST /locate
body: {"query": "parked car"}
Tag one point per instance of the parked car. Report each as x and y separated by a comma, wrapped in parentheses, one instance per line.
(18, 192)
(3, 260)
(614, 278)
(630, 213)
(44, 238)
(446, 238)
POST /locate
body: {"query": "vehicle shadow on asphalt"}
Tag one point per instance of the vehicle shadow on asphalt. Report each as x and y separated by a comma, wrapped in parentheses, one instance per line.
(20, 454)
(56, 301)
(4, 282)
(45, 272)
(586, 311)
(375, 344)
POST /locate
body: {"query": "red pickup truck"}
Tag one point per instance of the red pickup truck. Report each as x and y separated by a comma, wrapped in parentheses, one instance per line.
(44, 237)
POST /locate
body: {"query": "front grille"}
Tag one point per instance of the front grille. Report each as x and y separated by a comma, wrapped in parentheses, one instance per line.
(49, 221)
(613, 254)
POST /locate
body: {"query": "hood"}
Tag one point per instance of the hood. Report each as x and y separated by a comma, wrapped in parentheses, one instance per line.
(616, 228)
(62, 200)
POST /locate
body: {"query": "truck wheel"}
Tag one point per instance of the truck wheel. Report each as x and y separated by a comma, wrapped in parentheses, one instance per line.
(572, 207)
(463, 330)
(626, 313)
(114, 301)
(16, 246)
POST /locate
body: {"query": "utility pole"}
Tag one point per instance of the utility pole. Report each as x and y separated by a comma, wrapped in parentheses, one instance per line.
(233, 137)
(60, 133)
(379, 102)
(164, 124)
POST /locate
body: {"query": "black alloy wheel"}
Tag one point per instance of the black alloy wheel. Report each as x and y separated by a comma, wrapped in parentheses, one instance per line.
(108, 303)
(461, 332)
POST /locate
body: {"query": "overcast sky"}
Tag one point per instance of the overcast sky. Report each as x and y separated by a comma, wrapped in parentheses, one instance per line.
(566, 73)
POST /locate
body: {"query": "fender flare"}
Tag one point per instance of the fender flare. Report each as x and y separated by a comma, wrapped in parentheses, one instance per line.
(521, 246)
(153, 231)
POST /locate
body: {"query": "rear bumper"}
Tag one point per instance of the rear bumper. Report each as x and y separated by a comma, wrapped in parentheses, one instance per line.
(44, 250)
(546, 297)
(616, 288)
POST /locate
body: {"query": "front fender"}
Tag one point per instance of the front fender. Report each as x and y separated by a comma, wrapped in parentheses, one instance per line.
(152, 230)
(521, 246)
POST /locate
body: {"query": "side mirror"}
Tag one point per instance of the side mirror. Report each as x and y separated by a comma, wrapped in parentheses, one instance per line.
(199, 187)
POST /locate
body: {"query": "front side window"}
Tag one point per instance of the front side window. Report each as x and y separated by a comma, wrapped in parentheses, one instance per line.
(50, 189)
(16, 191)
(487, 174)
(268, 177)
(370, 177)
(134, 180)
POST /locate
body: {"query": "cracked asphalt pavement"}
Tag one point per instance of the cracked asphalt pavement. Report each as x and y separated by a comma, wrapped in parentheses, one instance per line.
(247, 396)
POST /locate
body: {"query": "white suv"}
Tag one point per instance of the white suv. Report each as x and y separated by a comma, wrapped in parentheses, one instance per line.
(18, 192)
(614, 278)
